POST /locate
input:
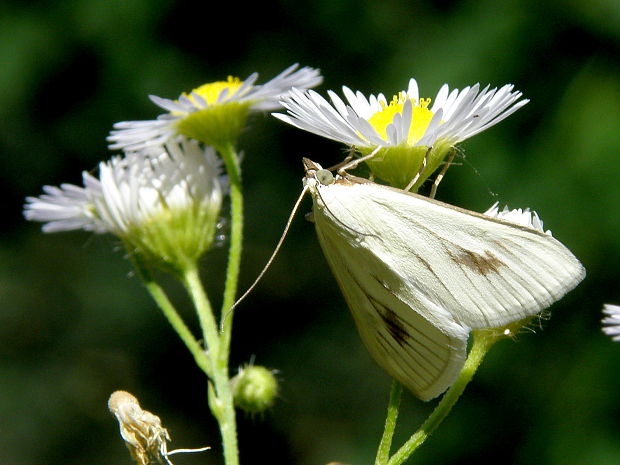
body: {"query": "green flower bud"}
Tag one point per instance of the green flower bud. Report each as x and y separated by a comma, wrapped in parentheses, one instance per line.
(255, 389)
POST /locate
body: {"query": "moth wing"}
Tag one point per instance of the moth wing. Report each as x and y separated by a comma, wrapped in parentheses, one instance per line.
(484, 271)
(421, 356)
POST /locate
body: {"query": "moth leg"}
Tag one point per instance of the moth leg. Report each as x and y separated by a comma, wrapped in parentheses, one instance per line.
(442, 173)
(420, 171)
(353, 163)
(350, 152)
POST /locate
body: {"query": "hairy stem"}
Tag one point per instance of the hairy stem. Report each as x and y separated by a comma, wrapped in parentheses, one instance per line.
(220, 397)
(173, 317)
(481, 345)
(383, 454)
(234, 254)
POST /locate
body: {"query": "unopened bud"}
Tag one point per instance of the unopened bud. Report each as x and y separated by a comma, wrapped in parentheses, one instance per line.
(254, 389)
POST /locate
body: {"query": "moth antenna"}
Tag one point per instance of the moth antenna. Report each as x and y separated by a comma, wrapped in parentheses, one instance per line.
(441, 174)
(273, 256)
(420, 171)
(475, 170)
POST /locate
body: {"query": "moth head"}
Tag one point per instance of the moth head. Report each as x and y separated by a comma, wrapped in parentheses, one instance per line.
(310, 166)
(315, 174)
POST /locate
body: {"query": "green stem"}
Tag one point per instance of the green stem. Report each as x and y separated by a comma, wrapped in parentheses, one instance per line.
(173, 317)
(233, 169)
(482, 343)
(191, 281)
(221, 399)
(383, 454)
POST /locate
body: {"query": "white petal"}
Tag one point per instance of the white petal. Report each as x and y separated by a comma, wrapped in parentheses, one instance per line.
(611, 323)
(462, 114)
(412, 90)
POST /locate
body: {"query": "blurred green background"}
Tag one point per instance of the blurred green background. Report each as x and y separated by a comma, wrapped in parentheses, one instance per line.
(75, 324)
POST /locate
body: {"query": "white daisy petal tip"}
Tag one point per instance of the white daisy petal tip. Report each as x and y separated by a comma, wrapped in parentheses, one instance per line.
(65, 208)
(523, 217)
(611, 321)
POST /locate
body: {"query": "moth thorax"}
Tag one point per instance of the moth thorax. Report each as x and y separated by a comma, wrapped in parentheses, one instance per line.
(324, 177)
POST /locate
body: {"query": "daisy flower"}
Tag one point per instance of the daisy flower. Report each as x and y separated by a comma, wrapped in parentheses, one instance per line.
(403, 129)
(163, 202)
(611, 323)
(213, 113)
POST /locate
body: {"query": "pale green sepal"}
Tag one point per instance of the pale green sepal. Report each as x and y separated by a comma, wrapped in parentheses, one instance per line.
(510, 330)
(218, 125)
(398, 165)
(174, 239)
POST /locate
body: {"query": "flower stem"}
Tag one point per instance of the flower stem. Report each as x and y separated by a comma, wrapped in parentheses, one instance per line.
(173, 317)
(221, 397)
(483, 340)
(233, 169)
(383, 454)
(191, 281)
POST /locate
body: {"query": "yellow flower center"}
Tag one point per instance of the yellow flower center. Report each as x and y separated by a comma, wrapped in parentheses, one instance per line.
(211, 91)
(419, 122)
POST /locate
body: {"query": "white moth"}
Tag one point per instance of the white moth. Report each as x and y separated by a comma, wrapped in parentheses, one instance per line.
(419, 275)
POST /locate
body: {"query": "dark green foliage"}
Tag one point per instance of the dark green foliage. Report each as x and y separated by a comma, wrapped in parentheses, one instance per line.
(75, 325)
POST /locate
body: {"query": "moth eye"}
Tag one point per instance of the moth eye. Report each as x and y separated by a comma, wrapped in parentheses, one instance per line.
(324, 177)
(309, 217)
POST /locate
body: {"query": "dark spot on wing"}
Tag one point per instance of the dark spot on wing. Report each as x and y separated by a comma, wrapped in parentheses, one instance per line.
(483, 264)
(393, 323)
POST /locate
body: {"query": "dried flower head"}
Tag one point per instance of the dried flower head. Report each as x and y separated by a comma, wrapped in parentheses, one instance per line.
(142, 431)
